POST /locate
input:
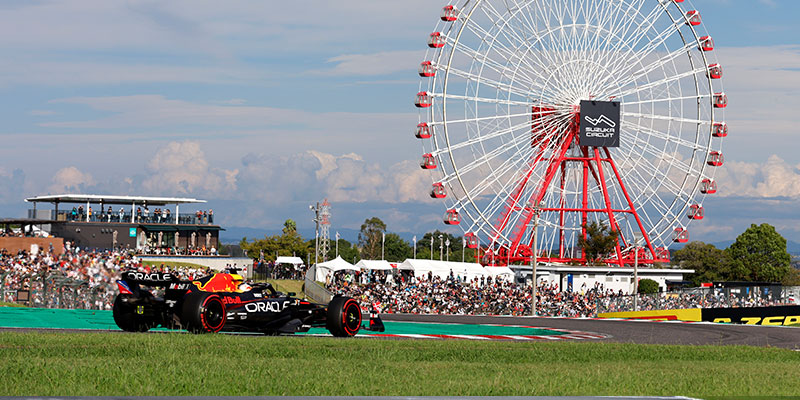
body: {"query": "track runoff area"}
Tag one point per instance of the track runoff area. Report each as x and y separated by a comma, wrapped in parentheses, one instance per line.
(446, 327)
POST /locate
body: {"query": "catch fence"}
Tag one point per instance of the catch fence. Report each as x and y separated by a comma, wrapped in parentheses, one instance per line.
(728, 297)
(55, 290)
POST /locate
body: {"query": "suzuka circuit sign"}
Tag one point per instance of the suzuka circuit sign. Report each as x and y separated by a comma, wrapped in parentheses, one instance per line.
(599, 123)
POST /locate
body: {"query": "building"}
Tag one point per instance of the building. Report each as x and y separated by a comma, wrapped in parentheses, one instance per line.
(150, 225)
(572, 278)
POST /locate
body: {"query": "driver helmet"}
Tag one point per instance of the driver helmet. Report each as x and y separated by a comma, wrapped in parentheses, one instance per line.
(238, 281)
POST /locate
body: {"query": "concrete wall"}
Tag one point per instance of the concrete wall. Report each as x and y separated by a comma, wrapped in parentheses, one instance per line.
(15, 244)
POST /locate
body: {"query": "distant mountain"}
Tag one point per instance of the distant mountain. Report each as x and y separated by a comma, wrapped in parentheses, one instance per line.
(234, 234)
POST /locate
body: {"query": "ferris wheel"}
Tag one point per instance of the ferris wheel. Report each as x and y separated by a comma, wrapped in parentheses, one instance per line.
(547, 115)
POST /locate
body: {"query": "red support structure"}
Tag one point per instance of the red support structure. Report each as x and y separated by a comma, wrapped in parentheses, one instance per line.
(591, 160)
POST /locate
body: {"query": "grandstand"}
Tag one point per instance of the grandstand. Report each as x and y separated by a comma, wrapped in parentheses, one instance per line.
(149, 225)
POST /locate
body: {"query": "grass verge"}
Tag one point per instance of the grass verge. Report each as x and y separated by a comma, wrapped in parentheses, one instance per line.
(92, 364)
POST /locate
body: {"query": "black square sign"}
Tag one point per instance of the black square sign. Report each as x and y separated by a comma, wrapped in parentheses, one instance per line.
(599, 123)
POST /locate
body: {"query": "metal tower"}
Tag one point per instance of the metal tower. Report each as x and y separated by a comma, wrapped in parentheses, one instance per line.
(325, 224)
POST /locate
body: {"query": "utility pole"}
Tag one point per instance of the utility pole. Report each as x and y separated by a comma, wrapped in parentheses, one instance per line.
(447, 245)
(441, 248)
(431, 246)
(315, 209)
(383, 245)
(536, 209)
(415, 246)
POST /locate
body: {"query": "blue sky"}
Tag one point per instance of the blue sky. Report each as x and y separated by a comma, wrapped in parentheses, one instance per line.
(265, 107)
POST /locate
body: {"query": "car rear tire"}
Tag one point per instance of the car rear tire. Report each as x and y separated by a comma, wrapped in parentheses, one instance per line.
(126, 316)
(344, 317)
(203, 313)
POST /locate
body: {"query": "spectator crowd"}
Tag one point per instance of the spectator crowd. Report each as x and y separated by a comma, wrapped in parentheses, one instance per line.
(75, 279)
(429, 294)
(86, 279)
(271, 270)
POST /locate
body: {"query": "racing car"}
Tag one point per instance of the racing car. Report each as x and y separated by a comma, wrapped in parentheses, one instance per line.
(223, 302)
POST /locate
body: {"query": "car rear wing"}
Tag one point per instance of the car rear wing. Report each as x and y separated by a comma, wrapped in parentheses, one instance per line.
(149, 279)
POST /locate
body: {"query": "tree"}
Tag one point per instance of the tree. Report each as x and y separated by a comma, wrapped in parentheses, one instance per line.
(600, 241)
(397, 249)
(759, 254)
(647, 286)
(289, 226)
(708, 262)
(370, 238)
(290, 243)
(439, 246)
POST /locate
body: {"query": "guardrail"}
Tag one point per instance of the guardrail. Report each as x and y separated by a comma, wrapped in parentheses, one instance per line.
(314, 290)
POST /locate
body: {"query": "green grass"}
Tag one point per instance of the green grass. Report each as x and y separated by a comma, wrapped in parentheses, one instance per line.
(93, 364)
(288, 285)
(173, 264)
(7, 304)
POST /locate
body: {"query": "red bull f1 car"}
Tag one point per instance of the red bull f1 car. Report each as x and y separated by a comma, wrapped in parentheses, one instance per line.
(222, 302)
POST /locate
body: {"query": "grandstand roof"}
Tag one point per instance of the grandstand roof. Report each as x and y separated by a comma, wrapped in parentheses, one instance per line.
(111, 199)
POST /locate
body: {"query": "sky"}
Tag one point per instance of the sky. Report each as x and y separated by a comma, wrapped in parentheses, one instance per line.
(262, 108)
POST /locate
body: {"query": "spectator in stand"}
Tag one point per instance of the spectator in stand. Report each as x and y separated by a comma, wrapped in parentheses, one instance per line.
(431, 294)
(210, 216)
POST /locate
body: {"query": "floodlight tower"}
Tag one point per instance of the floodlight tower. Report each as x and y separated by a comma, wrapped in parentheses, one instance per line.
(325, 224)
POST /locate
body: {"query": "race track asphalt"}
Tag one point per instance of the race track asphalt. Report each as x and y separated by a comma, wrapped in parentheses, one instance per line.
(614, 330)
(650, 332)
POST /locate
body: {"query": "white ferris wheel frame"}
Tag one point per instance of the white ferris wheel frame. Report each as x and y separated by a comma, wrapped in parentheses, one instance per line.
(480, 42)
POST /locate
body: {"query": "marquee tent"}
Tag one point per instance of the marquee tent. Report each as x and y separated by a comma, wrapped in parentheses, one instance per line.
(374, 264)
(504, 273)
(442, 269)
(467, 271)
(289, 260)
(421, 267)
(337, 264)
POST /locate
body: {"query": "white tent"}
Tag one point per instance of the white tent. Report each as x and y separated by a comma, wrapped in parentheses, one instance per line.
(422, 267)
(467, 271)
(374, 264)
(289, 260)
(504, 273)
(337, 264)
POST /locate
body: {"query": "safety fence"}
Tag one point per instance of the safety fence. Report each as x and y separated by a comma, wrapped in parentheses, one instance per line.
(729, 297)
(55, 290)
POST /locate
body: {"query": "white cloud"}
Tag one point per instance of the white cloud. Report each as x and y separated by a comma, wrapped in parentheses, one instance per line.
(182, 168)
(346, 178)
(381, 63)
(70, 179)
(773, 178)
